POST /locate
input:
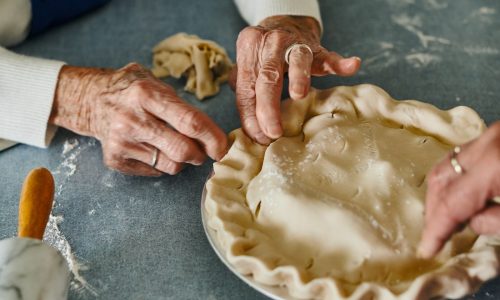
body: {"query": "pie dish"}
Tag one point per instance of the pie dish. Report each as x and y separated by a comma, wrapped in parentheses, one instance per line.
(334, 208)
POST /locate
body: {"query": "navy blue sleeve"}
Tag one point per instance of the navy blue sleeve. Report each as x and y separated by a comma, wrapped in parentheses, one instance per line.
(46, 13)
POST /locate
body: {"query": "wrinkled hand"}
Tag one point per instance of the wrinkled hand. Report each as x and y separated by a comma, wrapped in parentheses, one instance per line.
(261, 66)
(132, 113)
(454, 199)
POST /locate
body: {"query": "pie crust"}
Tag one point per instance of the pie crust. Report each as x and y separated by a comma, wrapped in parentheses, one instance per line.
(334, 208)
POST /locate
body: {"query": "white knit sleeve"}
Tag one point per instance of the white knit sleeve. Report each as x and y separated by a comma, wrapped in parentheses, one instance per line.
(254, 11)
(15, 19)
(27, 87)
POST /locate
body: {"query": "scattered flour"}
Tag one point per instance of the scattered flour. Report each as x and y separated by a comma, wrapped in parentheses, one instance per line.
(483, 14)
(485, 11)
(69, 145)
(477, 50)
(108, 179)
(420, 60)
(385, 57)
(71, 150)
(388, 55)
(56, 239)
(413, 25)
(399, 3)
(436, 4)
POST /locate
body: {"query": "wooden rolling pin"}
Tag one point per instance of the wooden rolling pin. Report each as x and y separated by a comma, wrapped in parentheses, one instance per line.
(35, 204)
(31, 269)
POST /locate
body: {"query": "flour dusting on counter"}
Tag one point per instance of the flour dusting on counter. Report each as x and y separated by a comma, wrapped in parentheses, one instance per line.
(71, 151)
(413, 25)
(56, 239)
(419, 60)
(475, 50)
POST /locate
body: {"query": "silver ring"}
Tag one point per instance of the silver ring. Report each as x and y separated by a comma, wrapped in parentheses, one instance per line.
(154, 160)
(290, 48)
(454, 161)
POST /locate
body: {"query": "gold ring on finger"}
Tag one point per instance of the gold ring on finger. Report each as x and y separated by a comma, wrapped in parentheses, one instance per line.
(154, 159)
(457, 167)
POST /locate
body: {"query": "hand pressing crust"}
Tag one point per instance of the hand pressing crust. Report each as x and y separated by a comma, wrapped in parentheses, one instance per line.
(132, 114)
(455, 199)
(258, 76)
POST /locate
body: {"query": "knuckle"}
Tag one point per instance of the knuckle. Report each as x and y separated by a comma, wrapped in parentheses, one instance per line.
(245, 96)
(269, 73)
(191, 122)
(114, 149)
(277, 36)
(120, 124)
(248, 34)
(435, 179)
(112, 159)
(133, 66)
(301, 51)
(124, 125)
(173, 168)
(179, 150)
(141, 89)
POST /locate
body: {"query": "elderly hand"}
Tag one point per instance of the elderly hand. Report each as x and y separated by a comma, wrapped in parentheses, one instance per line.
(261, 66)
(454, 199)
(144, 128)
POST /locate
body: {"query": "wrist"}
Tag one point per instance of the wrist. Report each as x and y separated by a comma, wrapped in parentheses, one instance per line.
(75, 97)
(298, 24)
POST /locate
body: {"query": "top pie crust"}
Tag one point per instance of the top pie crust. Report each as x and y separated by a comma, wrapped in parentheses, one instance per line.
(334, 208)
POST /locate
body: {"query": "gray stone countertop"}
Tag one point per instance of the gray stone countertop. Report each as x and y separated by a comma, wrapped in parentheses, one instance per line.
(142, 238)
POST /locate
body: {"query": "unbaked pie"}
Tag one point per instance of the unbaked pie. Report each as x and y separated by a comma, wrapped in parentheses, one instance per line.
(334, 208)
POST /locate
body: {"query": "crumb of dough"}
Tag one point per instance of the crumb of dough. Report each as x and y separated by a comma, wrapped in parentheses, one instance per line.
(204, 63)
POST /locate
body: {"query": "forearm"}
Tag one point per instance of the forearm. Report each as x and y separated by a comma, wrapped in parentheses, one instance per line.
(77, 89)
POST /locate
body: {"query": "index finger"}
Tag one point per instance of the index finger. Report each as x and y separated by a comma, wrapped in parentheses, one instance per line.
(197, 125)
(270, 83)
(192, 123)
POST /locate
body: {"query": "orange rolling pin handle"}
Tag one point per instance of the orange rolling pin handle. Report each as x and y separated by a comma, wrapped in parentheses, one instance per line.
(35, 204)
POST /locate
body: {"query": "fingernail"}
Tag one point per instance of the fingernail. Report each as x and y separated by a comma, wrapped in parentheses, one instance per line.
(357, 58)
(423, 252)
(195, 162)
(298, 91)
(274, 131)
(220, 156)
(262, 139)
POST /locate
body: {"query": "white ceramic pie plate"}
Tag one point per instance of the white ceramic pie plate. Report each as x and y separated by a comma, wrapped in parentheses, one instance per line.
(273, 292)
